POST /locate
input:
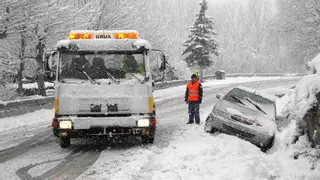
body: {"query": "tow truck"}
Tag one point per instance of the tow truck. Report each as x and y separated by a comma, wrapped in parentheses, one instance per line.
(104, 85)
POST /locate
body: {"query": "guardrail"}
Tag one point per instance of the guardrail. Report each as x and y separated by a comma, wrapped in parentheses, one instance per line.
(19, 107)
(168, 84)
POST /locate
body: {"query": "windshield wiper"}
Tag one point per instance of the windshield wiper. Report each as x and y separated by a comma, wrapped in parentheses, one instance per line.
(255, 105)
(110, 76)
(84, 73)
(135, 76)
(237, 99)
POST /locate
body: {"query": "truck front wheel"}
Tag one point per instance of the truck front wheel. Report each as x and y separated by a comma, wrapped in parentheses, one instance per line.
(64, 142)
(148, 139)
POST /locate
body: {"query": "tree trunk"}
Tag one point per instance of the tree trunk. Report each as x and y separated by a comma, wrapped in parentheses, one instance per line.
(22, 61)
(40, 82)
(19, 76)
(40, 76)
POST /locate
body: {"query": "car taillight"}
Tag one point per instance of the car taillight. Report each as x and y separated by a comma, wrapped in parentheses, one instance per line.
(54, 124)
(153, 121)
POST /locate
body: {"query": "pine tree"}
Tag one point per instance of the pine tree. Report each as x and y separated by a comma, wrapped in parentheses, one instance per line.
(201, 41)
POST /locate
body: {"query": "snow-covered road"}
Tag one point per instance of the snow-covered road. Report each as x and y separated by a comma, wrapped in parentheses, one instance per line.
(180, 151)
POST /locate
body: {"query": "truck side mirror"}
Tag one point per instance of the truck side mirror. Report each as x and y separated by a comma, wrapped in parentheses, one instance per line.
(161, 63)
(49, 62)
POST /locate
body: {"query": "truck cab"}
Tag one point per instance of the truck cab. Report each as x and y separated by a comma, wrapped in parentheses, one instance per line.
(104, 85)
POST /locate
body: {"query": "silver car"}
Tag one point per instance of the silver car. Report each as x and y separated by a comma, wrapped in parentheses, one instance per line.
(246, 113)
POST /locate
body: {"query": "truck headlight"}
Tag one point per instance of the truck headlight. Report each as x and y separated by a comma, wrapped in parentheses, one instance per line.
(67, 124)
(143, 123)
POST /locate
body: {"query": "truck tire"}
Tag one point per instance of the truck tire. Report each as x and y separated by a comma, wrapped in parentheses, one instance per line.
(148, 139)
(55, 132)
(64, 142)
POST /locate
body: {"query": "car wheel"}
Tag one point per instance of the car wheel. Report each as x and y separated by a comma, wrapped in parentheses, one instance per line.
(268, 146)
(148, 139)
(208, 128)
(64, 142)
(213, 130)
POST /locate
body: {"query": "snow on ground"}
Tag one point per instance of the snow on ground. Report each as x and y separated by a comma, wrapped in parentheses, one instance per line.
(196, 155)
(28, 119)
(192, 153)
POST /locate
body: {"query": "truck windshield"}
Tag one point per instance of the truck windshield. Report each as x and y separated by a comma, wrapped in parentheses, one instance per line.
(101, 67)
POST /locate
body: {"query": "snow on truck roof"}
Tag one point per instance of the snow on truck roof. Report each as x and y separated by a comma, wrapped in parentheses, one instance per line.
(88, 40)
(104, 45)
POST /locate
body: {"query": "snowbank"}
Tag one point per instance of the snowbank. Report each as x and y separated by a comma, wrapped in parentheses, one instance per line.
(196, 155)
(303, 96)
(300, 100)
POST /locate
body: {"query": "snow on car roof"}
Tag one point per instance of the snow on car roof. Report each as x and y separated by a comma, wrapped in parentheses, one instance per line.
(259, 93)
(104, 44)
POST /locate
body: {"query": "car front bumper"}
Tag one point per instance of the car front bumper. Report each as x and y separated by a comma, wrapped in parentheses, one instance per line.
(254, 134)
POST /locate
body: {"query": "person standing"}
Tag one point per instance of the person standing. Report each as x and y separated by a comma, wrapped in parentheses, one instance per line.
(193, 97)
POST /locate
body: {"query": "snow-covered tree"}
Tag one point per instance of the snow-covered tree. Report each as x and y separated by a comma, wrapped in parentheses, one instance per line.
(27, 27)
(31, 26)
(201, 43)
(299, 23)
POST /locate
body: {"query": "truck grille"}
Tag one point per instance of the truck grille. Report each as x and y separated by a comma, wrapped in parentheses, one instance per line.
(238, 132)
(107, 105)
(110, 131)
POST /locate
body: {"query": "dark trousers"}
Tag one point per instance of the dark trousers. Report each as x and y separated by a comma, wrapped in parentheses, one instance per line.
(194, 112)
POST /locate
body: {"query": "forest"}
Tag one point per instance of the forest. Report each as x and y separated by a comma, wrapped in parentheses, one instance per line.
(255, 36)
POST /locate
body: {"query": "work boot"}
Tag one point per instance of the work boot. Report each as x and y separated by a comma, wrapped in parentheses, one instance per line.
(189, 122)
(198, 123)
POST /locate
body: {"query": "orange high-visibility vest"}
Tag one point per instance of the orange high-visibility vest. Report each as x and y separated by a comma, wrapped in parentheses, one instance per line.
(193, 90)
